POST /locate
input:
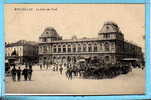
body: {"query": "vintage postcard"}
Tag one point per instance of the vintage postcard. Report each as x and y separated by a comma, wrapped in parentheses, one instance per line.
(74, 49)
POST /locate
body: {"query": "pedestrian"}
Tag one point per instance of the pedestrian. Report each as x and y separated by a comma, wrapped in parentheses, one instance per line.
(30, 66)
(13, 72)
(18, 74)
(143, 67)
(29, 73)
(25, 73)
(47, 65)
(56, 67)
(43, 65)
(40, 66)
(69, 73)
(61, 69)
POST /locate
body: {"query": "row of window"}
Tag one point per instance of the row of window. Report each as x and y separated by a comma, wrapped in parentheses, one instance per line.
(74, 49)
(10, 50)
(17, 49)
(78, 48)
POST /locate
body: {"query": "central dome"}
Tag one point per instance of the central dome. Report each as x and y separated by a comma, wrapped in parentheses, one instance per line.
(49, 32)
(109, 27)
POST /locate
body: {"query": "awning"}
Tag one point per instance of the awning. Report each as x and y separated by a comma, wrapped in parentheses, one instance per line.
(86, 57)
(130, 59)
(81, 60)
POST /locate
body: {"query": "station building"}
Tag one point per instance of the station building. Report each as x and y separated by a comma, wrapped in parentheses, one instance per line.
(109, 46)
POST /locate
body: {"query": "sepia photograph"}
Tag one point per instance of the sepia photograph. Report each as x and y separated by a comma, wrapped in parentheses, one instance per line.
(74, 49)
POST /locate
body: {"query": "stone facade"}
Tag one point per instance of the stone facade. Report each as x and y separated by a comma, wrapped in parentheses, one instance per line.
(109, 46)
(22, 52)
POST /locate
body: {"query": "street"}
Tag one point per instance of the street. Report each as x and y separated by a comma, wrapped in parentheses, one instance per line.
(50, 82)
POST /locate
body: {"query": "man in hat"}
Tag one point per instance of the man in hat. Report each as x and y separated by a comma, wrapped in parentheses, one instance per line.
(25, 73)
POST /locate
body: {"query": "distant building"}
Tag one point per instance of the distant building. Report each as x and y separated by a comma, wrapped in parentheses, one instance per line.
(22, 52)
(109, 46)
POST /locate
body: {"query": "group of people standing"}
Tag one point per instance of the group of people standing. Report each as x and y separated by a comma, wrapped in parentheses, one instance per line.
(55, 67)
(73, 70)
(26, 72)
(58, 68)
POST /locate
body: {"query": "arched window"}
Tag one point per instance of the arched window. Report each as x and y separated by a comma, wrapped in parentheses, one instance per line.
(101, 46)
(14, 53)
(54, 49)
(79, 48)
(59, 48)
(84, 47)
(68, 58)
(74, 48)
(89, 48)
(44, 49)
(112, 58)
(64, 48)
(47, 32)
(40, 49)
(44, 39)
(54, 59)
(107, 58)
(49, 48)
(95, 48)
(69, 48)
(63, 59)
(106, 45)
(112, 46)
(74, 59)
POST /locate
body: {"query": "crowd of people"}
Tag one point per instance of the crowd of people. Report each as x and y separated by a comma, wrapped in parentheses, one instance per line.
(84, 70)
(69, 70)
(16, 73)
(54, 67)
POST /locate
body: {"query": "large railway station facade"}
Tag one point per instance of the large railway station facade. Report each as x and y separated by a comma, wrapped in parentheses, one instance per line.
(109, 47)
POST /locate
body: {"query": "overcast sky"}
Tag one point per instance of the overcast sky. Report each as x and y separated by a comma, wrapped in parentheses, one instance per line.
(83, 20)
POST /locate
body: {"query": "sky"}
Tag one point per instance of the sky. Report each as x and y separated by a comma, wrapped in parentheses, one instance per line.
(83, 20)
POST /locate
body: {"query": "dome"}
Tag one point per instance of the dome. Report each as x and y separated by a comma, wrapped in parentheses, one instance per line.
(49, 32)
(109, 27)
(49, 29)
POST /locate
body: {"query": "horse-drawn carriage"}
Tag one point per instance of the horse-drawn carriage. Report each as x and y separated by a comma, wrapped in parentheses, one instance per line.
(94, 68)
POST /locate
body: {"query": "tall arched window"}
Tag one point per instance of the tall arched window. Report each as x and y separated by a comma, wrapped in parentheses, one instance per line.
(95, 47)
(101, 46)
(54, 49)
(44, 49)
(112, 46)
(69, 48)
(63, 59)
(112, 58)
(89, 48)
(74, 59)
(68, 58)
(54, 59)
(107, 58)
(79, 48)
(64, 48)
(59, 48)
(74, 48)
(106, 45)
(49, 48)
(41, 49)
(44, 39)
(84, 47)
